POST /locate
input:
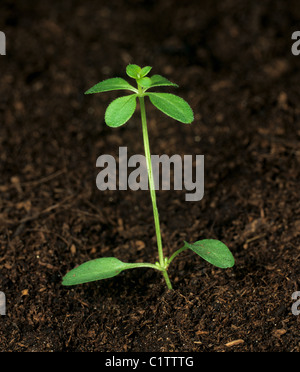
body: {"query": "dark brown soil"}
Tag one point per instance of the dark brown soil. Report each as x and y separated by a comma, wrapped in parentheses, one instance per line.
(233, 62)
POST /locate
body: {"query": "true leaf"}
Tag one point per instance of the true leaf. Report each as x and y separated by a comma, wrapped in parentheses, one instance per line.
(133, 71)
(101, 268)
(120, 111)
(145, 82)
(214, 252)
(160, 81)
(145, 71)
(110, 84)
(173, 106)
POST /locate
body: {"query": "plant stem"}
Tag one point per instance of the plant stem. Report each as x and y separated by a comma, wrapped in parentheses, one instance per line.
(143, 264)
(152, 189)
(167, 279)
(151, 180)
(176, 254)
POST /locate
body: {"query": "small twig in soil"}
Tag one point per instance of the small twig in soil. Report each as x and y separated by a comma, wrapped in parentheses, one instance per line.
(23, 221)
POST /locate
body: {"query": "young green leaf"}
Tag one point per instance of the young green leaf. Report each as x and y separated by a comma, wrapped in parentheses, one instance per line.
(120, 111)
(101, 268)
(133, 71)
(160, 81)
(145, 82)
(111, 84)
(145, 71)
(214, 252)
(173, 106)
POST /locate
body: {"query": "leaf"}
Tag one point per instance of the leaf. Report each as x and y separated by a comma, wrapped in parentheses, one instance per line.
(110, 84)
(145, 82)
(101, 268)
(120, 111)
(173, 106)
(133, 71)
(160, 81)
(214, 252)
(145, 71)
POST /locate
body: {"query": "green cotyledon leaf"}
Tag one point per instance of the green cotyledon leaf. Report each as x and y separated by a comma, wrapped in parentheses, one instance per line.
(214, 252)
(120, 111)
(173, 106)
(101, 268)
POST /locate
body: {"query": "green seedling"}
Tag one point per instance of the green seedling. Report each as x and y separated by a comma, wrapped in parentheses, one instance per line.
(117, 114)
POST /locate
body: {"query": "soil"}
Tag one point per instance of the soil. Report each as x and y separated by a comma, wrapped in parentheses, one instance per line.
(233, 62)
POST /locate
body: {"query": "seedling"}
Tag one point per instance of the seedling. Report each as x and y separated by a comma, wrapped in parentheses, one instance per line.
(117, 114)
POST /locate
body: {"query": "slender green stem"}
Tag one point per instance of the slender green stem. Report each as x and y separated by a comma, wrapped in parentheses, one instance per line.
(152, 188)
(151, 181)
(167, 279)
(143, 264)
(151, 266)
(176, 254)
